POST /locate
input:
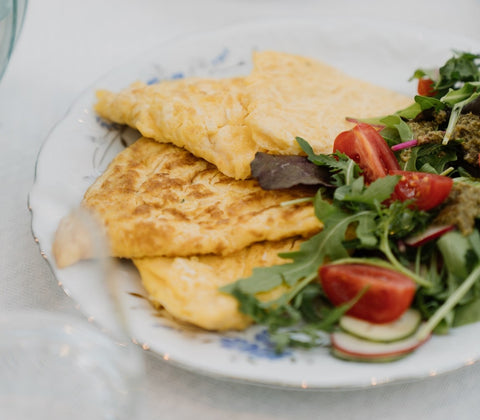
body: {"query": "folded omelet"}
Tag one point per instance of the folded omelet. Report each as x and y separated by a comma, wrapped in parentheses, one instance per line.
(226, 121)
(206, 116)
(188, 288)
(291, 95)
(156, 199)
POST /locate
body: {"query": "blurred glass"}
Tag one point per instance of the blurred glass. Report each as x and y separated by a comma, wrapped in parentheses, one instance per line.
(56, 366)
(12, 13)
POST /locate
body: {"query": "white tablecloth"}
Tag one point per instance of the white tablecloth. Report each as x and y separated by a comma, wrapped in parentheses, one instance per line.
(66, 45)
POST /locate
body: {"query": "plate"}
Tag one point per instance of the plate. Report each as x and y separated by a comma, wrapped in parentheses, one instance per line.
(80, 146)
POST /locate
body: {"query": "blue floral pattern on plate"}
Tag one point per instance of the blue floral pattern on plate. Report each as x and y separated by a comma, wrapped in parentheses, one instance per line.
(260, 346)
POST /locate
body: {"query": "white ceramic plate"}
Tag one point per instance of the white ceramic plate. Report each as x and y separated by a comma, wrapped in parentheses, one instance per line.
(80, 146)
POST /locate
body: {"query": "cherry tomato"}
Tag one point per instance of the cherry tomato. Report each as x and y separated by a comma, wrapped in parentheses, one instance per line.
(388, 296)
(426, 190)
(425, 87)
(365, 145)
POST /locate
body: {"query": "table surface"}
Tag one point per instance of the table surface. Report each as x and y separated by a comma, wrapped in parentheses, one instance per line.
(67, 45)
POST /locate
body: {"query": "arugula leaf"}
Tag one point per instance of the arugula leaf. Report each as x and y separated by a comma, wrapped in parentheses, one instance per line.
(343, 169)
(453, 298)
(431, 157)
(445, 311)
(398, 220)
(365, 232)
(377, 192)
(305, 261)
(319, 316)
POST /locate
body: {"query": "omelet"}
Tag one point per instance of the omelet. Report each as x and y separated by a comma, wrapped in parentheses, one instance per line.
(156, 199)
(188, 288)
(290, 95)
(226, 121)
(206, 116)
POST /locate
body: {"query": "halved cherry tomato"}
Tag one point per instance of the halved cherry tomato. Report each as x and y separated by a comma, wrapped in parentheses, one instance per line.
(425, 87)
(388, 296)
(426, 190)
(365, 145)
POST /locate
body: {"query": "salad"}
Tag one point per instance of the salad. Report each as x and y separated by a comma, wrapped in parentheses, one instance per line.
(398, 258)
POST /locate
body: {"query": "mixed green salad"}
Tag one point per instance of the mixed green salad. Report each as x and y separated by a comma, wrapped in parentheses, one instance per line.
(398, 257)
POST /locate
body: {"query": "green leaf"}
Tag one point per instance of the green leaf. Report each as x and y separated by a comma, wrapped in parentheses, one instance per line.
(333, 315)
(454, 247)
(404, 130)
(306, 148)
(431, 157)
(308, 335)
(455, 96)
(305, 261)
(377, 192)
(410, 112)
(309, 301)
(474, 239)
(420, 73)
(323, 208)
(456, 110)
(428, 168)
(462, 67)
(343, 168)
(445, 311)
(411, 164)
(468, 313)
(428, 102)
(365, 232)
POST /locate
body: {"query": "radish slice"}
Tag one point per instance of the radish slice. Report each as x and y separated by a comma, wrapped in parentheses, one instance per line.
(431, 233)
(404, 145)
(399, 329)
(347, 346)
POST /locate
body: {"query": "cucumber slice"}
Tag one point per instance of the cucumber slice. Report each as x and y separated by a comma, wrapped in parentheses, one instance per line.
(403, 327)
(347, 346)
(339, 354)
